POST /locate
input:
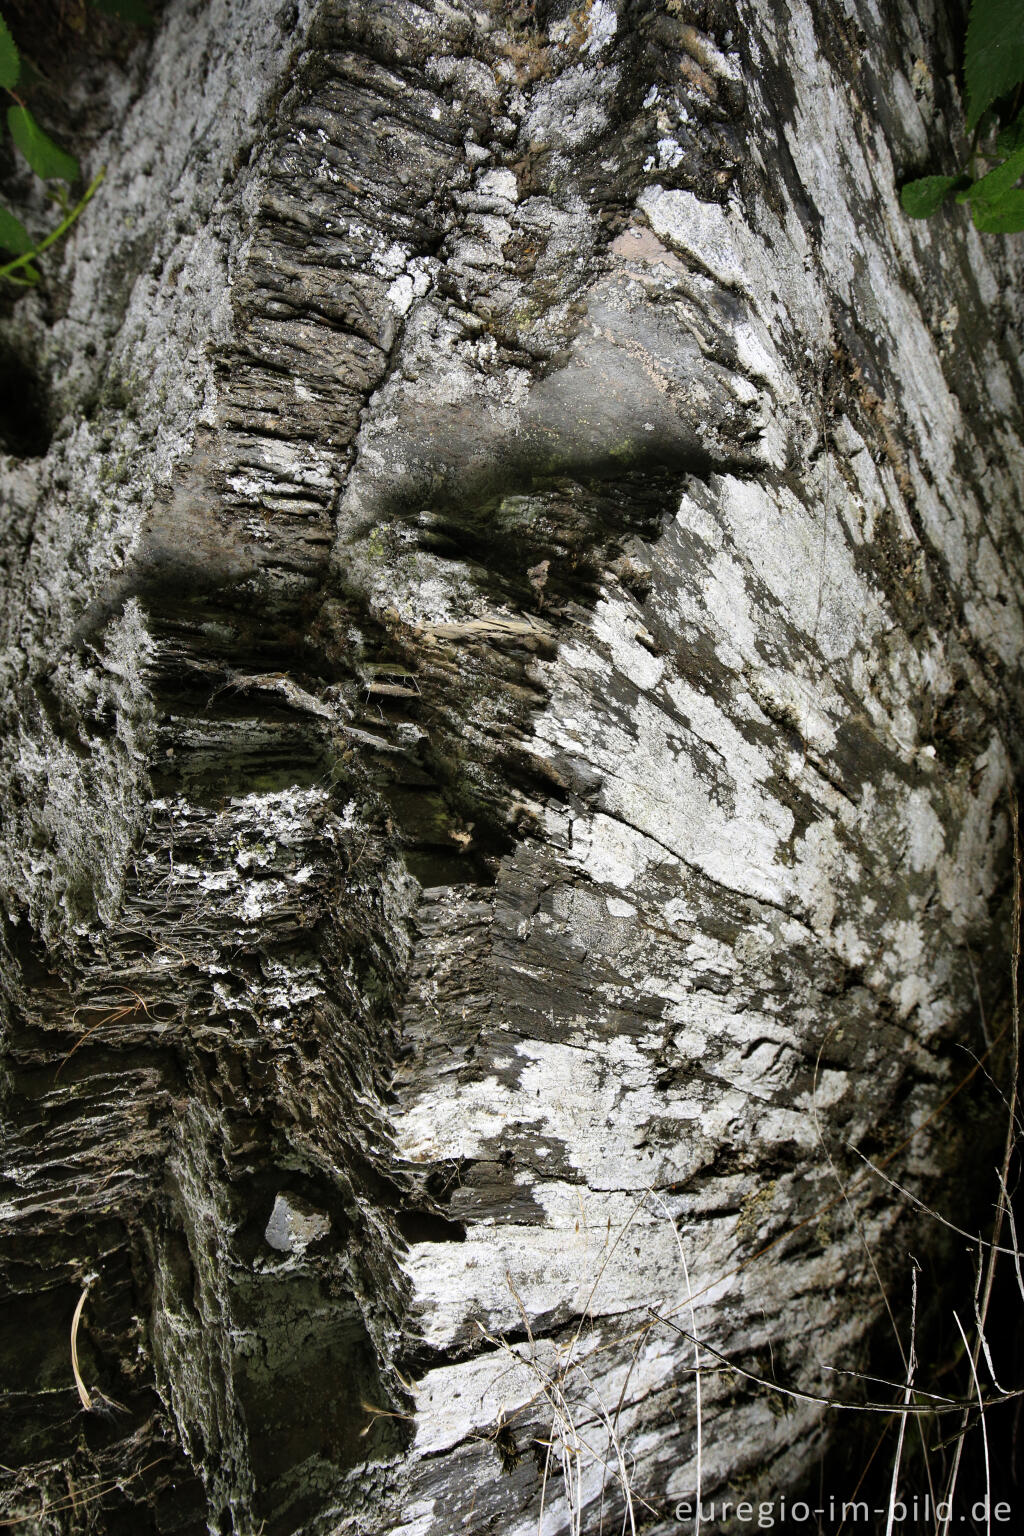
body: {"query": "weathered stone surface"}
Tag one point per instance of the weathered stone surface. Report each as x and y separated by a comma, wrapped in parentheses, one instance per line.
(513, 670)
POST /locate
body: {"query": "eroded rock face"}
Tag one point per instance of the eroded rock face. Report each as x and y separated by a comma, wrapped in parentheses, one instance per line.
(513, 661)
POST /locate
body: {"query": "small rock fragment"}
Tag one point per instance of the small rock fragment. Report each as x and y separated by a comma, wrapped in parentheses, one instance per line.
(294, 1224)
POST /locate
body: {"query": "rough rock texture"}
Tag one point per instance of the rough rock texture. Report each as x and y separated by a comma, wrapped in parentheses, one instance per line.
(512, 665)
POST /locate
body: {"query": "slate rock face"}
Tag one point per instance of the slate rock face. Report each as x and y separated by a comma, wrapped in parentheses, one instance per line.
(512, 661)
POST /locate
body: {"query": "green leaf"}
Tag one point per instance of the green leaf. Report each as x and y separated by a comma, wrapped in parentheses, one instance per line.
(1004, 216)
(10, 62)
(14, 237)
(994, 55)
(923, 197)
(991, 187)
(128, 10)
(1012, 137)
(45, 157)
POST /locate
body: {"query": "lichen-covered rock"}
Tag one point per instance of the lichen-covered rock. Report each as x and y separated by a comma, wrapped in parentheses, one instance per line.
(512, 664)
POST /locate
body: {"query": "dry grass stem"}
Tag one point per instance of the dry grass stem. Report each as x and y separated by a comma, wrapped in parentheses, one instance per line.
(83, 1391)
(911, 1364)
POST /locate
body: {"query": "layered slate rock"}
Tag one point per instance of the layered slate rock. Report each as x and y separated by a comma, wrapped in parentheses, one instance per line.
(512, 660)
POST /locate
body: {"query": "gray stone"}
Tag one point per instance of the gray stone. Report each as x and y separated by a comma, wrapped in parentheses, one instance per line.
(293, 1225)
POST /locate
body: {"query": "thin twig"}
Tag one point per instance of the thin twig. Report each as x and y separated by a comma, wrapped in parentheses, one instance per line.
(908, 1194)
(696, 1359)
(113, 1017)
(984, 1432)
(100, 1491)
(935, 1406)
(911, 1363)
(1013, 1235)
(1008, 1149)
(55, 234)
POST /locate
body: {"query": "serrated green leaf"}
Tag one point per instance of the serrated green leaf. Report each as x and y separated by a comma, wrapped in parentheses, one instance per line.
(1012, 137)
(10, 61)
(991, 187)
(1002, 216)
(923, 197)
(45, 157)
(14, 237)
(127, 10)
(994, 53)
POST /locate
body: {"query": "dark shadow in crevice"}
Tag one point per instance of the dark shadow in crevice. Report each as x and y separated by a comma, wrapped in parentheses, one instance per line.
(25, 429)
(427, 1227)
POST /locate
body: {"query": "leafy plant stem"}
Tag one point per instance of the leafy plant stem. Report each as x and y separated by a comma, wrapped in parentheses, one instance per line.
(65, 224)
